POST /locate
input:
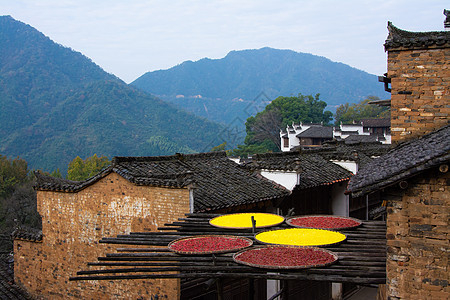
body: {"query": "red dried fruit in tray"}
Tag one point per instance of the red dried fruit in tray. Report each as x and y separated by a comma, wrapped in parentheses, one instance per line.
(323, 222)
(207, 244)
(285, 257)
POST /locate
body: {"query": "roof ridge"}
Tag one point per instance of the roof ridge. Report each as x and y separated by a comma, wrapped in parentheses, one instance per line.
(177, 156)
(408, 142)
(276, 154)
(399, 38)
(406, 33)
(406, 160)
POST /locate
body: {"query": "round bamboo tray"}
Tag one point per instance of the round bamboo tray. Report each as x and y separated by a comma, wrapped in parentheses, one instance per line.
(208, 248)
(326, 218)
(285, 257)
(243, 220)
(302, 237)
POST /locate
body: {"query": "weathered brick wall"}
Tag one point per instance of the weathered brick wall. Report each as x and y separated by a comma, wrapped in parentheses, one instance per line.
(418, 239)
(72, 225)
(426, 75)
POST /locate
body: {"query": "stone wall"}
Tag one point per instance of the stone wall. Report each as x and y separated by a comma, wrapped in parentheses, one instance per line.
(72, 225)
(420, 96)
(418, 238)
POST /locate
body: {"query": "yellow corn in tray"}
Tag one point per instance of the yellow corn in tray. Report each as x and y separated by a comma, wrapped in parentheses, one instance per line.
(300, 237)
(243, 220)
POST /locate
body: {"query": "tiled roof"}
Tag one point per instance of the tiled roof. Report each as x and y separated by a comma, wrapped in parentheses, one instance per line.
(376, 122)
(340, 150)
(404, 161)
(317, 132)
(415, 40)
(314, 169)
(44, 182)
(8, 288)
(48, 183)
(219, 182)
(353, 139)
(349, 132)
(29, 234)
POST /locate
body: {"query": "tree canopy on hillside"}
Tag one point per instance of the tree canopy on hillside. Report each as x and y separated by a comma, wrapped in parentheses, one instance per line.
(80, 169)
(12, 173)
(347, 113)
(263, 130)
(17, 198)
(56, 103)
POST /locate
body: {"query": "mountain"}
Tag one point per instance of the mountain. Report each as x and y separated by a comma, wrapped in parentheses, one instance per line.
(56, 104)
(223, 89)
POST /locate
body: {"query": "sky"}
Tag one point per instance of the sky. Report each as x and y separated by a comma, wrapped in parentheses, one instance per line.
(131, 37)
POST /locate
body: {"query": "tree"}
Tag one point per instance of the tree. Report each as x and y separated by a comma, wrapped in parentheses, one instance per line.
(12, 173)
(56, 173)
(80, 169)
(263, 130)
(17, 198)
(219, 148)
(347, 113)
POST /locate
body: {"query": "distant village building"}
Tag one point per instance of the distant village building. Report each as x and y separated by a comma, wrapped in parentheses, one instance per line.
(313, 135)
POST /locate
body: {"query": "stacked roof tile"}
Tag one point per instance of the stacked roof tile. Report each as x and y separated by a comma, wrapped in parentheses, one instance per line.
(317, 132)
(402, 162)
(361, 152)
(415, 40)
(8, 288)
(29, 234)
(386, 122)
(314, 169)
(219, 182)
(356, 139)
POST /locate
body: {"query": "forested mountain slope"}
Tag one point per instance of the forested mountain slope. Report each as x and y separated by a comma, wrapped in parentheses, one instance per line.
(56, 104)
(222, 89)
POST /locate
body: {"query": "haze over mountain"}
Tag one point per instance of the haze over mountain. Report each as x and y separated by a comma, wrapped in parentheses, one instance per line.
(56, 104)
(223, 89)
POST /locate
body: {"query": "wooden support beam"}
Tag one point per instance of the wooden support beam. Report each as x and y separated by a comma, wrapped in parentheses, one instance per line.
(278, 276)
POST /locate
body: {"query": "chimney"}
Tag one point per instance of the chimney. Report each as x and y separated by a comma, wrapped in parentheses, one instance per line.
(447, 19)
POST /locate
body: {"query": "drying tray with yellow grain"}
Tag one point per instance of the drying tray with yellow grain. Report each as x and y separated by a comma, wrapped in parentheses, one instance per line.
(306, 237)
(244, 220)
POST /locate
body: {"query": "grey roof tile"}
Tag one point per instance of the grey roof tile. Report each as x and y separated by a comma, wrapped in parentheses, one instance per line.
(8, 288)
(314, 169)
(317, 132)
(404, 161)
(219, 182)
(386, 122)
(415, 40)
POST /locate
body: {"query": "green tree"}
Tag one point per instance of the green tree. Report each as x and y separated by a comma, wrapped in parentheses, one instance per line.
(80, 169)
(56, 173)
(17, 198)
(12, 173)
(347, 113)
(219, 148)
(263, 130)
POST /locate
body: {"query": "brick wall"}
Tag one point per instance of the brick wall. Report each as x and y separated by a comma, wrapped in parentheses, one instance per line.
(72, 225)
(418, 239)
(426, 75)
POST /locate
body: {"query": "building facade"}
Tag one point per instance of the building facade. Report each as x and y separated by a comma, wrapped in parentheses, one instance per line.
(413, 178)
(74, 220)
(313, 135)
(134, 194)
(419, 71)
